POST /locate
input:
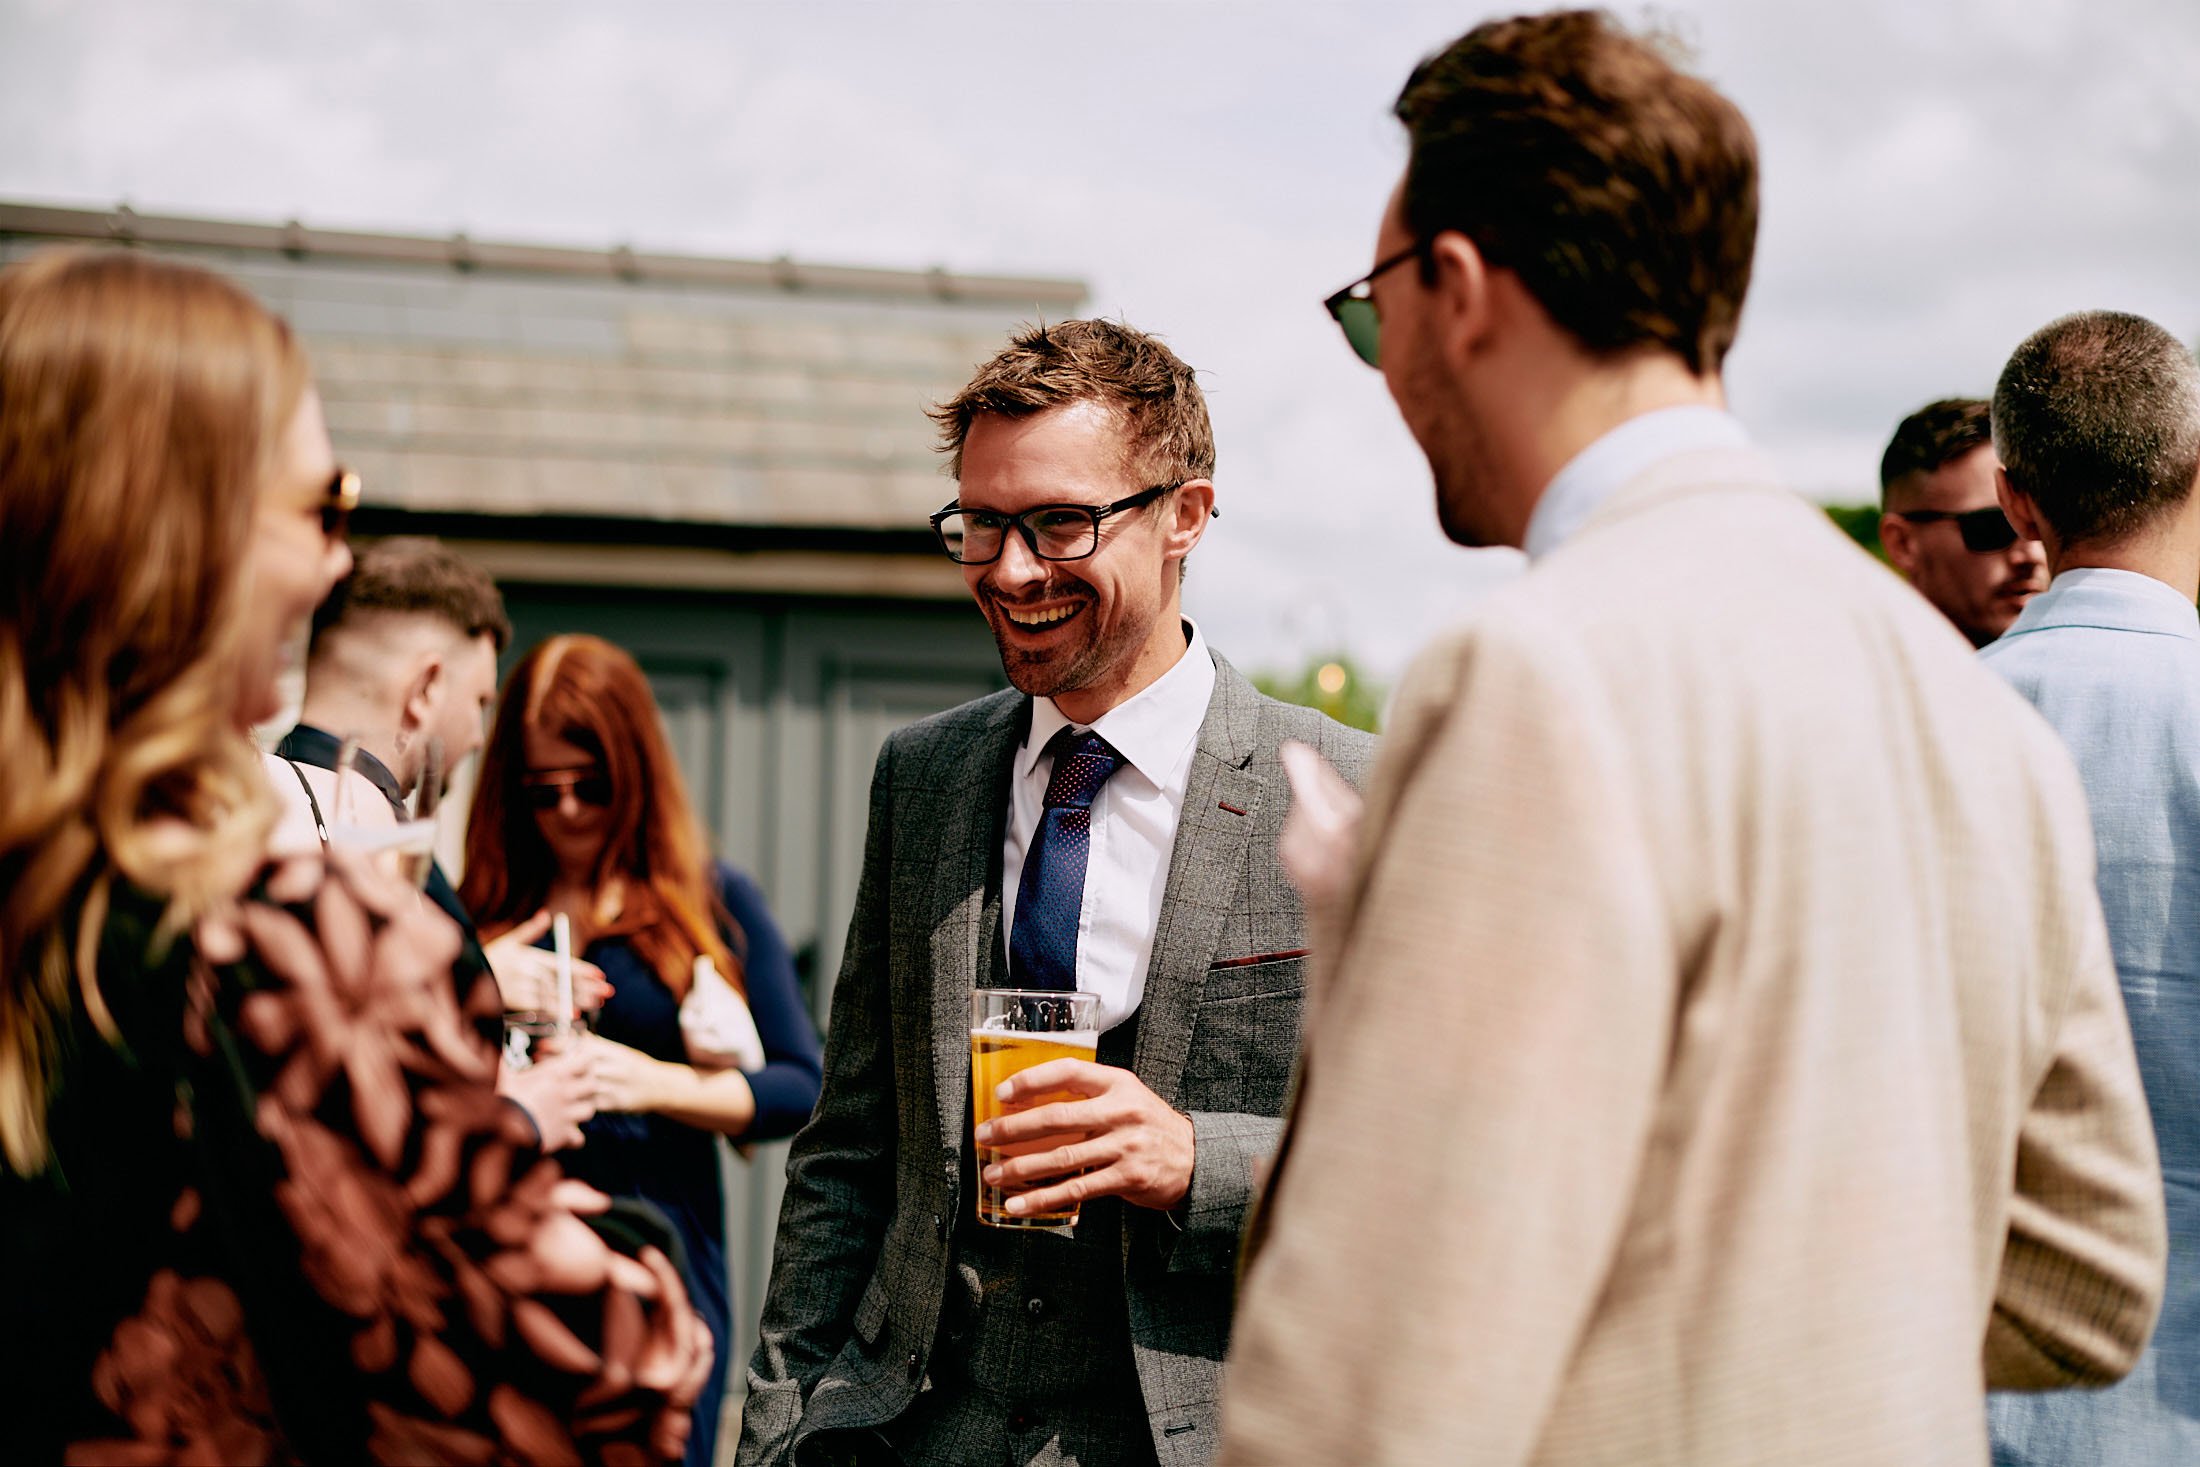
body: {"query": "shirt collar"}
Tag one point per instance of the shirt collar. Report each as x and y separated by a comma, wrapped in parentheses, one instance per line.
(306, 744)
(1600, 470)
(1153, 727)
(2115, 600)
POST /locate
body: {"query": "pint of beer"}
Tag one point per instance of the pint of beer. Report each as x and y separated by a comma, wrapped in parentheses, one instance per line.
(1012, 1029)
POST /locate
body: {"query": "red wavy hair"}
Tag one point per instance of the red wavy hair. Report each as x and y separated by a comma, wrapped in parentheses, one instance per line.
(594, 695)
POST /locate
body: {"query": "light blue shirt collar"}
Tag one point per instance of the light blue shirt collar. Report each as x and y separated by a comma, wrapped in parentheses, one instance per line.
(1598, 471)
(2110, 600)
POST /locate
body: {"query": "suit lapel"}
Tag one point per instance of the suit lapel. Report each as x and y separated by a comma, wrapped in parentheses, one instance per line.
(1206, 872)
(966, 931)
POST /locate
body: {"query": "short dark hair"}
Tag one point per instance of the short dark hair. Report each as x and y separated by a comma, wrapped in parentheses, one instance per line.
(416, 575)
(1108, 362)
(2097, 421)
(1931, 438)
(1621, 190)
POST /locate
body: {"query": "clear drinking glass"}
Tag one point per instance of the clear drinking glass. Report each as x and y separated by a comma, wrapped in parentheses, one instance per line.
(1012, 1029)
(361, 820)
(525, 1031)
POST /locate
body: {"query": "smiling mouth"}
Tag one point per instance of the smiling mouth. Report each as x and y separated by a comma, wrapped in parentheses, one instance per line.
(1040, 618)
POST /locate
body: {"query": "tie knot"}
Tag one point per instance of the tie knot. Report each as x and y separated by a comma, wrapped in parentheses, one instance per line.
(1082, 763)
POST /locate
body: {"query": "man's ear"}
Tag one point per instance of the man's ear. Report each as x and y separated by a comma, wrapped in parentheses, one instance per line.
(2023, 514)
(424, 691)
(1463, 308)
(1190, 507)
(1898, 537)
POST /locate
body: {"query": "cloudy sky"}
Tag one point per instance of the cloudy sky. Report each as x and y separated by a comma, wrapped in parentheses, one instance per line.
(1941, 176)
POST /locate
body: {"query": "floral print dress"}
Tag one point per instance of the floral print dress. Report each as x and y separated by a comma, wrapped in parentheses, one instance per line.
(286, 1217)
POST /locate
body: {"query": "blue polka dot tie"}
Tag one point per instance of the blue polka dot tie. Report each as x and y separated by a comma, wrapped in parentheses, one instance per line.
(1042, 945)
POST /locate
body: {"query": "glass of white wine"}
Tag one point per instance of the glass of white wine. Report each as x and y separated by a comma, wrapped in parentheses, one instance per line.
(416, 849)
(363, 821)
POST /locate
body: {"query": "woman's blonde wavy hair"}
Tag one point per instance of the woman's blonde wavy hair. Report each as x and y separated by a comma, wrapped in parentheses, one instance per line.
(141, 402)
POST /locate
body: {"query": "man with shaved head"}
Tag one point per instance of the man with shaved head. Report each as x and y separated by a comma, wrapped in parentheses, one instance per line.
(404, 660)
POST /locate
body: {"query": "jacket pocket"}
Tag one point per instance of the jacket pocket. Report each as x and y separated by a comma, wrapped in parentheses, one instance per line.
(1228, 981)
(1245, 1039)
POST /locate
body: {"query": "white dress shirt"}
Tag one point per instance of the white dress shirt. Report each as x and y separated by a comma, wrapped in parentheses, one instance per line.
(1598, 471)
(1134, 821)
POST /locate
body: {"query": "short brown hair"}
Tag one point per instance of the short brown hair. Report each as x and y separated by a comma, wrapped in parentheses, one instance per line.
(1621, 191)
(413, 574)
(2097, 420)
(1931, 438)
(1042, 367)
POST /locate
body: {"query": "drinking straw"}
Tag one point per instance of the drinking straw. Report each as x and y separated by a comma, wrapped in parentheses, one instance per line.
(561, 939)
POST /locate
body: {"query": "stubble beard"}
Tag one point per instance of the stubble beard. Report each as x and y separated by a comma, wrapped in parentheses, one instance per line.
(1444, 427)
(1051, 673)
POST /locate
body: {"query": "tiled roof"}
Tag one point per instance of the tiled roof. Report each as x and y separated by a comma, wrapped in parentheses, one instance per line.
(519, 380)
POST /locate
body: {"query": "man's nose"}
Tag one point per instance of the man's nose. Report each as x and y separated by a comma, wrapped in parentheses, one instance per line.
(1019, 565)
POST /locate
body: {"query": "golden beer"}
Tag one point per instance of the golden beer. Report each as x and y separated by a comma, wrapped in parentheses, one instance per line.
(1012, 1031)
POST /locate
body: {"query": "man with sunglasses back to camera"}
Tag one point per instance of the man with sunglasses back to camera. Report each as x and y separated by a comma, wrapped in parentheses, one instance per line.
(1943, 528)
(1109, 826)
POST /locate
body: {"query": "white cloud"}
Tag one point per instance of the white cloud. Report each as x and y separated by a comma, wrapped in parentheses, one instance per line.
(1941, 177)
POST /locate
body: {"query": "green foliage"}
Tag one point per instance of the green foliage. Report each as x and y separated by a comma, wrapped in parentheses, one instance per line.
(1333, 684)
(1860, 522)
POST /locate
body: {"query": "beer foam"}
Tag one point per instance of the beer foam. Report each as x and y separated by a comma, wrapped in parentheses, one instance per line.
(1070, 1038)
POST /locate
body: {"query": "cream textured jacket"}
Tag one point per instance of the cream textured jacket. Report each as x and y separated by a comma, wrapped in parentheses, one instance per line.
(1717, 1057)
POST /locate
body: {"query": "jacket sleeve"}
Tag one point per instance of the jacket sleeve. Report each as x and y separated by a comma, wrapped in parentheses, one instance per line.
(2081, 1276)
(786, 1087)
(840, 1173)
(1230, 1150)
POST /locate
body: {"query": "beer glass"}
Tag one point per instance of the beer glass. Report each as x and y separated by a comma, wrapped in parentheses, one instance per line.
(1012, 1029)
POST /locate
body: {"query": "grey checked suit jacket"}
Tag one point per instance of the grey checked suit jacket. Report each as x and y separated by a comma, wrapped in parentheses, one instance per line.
(866, 1231)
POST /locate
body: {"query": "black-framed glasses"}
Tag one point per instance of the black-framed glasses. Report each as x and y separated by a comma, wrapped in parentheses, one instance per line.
(1354, 307)
(1052, 531)
(338, 500)
(1983, 530)
(542, 791)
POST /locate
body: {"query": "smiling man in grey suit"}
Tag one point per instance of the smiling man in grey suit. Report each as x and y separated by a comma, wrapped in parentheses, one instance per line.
(896, 1328)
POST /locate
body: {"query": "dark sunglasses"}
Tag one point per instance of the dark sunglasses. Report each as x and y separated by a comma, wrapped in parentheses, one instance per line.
(543, 791)
(337, 502)
(1983, 530)
(1354, 308)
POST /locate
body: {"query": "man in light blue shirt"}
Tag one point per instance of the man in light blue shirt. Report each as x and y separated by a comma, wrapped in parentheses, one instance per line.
(2097, 423)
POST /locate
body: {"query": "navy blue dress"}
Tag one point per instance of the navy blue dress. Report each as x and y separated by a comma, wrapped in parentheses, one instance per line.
(675, 1165)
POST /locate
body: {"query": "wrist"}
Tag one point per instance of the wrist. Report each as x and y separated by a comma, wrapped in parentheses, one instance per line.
(668, 1085)
(1191, 1162)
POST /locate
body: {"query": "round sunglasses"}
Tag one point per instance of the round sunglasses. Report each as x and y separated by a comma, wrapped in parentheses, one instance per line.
(543, 791)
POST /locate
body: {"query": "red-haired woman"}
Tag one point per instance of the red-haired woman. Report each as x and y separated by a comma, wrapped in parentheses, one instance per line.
(580, 809)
